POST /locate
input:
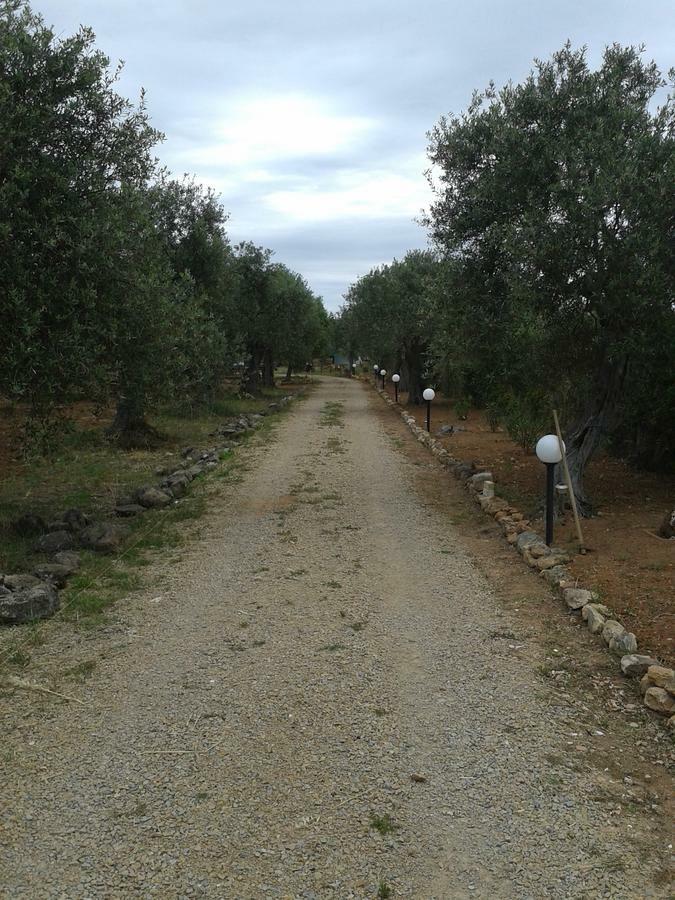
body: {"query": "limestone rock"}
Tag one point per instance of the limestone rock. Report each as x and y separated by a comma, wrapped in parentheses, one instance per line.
(54, 573)
(576, 598)
(604, 611)
(556, 576)
(658, 675)
(493, 505)
(644, 684)
(624, 643)
(548, 562)
(55, 541)
(127, 510)
(526, 540)
(21, 581)
(152, 498)
(671, 722)
(75, 520)
(476, 481)
(102, 537)
(68, 558)
(27, 604)
(612, 630)
(660, 701)
(178, 488)
(594, 617)
(635, 664)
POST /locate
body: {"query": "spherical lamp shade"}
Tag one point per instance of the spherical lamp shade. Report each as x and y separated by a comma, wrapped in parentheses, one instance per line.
(429, 394)
(383, 372)
(396, 378)
(376, 368)
(548, 449)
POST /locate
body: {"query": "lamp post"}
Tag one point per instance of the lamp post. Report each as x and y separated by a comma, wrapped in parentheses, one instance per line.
(549, 452)
(383, 372)
(376, 369)
(396, 379)
(429, 394)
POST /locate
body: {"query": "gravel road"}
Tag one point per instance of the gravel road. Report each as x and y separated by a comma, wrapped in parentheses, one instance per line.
(312, 704)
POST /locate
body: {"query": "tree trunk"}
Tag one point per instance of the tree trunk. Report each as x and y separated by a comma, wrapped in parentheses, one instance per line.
(129, 428)
(413, 375)
(351, 364)
(289, 372)
(268, 369)
(252, 378)
(587, 433)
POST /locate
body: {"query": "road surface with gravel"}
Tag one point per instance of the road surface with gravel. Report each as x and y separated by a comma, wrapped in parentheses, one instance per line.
(311, 705)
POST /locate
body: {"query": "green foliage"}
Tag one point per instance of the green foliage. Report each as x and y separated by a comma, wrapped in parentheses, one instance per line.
(389, 310)
(116, 279)
(552, 207)
(526, 418)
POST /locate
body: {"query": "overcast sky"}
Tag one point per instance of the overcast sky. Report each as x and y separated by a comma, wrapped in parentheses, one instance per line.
(310, 118)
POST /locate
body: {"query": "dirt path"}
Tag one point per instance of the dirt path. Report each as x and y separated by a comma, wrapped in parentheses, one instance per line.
(253, 723)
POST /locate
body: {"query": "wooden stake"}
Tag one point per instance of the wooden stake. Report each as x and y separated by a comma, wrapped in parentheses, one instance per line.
(577, 522)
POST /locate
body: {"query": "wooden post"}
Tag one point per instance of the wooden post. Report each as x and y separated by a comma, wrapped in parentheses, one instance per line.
(570, 488)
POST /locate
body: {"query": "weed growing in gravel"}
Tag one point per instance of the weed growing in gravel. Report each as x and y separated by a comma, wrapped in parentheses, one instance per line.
(81, 671)
(380, 711)
(332, 413)
(334, 446)
(19, 657)
(333, 584)
(383, 890)
(384, 824)
(357, 626)
(331, 648)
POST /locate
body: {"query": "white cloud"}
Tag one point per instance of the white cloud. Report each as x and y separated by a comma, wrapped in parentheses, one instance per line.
(255, 131)
(371, 194)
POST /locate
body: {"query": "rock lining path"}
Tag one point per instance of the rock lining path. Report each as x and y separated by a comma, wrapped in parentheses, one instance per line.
(252, 718)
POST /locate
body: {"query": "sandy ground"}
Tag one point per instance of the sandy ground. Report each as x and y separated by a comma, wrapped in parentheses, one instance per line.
(325, 697)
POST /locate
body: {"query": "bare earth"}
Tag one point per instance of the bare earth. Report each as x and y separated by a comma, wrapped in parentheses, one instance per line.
(327, 658)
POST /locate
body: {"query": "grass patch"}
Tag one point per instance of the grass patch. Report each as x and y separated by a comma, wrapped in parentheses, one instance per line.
(81, 671)
(333, 584)
(383, 890)
(384, 824)
(332, 648)
(332, 414)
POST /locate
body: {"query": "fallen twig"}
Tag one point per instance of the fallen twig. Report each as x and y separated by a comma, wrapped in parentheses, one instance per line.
(24, 685)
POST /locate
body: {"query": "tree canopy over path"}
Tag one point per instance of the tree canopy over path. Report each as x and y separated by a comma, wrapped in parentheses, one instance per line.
(323, 697)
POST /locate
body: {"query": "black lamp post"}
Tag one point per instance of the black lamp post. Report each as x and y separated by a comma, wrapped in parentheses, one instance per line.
(376, 369)
(548, 451)
(383, 372)
(396, 379)
(429, 394)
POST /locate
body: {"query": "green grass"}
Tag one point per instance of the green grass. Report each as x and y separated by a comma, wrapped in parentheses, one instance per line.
(383, 890)
(332, 413)
(384, 824)
(88, 473)
(332, 648)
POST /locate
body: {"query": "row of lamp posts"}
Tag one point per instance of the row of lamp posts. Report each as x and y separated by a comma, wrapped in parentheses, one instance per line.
(548, 449)
(428, 393)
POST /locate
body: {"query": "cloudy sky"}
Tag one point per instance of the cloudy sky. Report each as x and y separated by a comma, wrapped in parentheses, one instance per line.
(310, 118)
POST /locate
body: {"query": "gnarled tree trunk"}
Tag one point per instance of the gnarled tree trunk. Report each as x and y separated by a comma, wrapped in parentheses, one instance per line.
(412, 366)
(599, 419)
(129, 428)
(252, 378)
(268, 368)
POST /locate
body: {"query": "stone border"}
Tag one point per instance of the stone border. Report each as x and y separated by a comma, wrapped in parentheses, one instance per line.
(657, 682)
(27, 597)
